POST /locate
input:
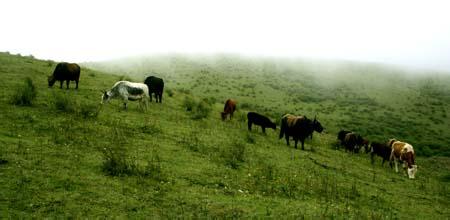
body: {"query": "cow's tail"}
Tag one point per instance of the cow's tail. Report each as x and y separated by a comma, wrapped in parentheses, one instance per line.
(282, 128)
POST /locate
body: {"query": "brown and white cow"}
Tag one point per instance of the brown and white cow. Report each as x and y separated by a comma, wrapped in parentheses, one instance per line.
(403, 152)
(228, 109)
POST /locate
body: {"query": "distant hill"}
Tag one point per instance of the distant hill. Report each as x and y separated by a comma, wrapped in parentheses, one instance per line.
(380, 102)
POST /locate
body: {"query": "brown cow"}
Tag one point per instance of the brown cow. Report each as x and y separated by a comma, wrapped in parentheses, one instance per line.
(228, 109)
(65, 72)
(403, 152)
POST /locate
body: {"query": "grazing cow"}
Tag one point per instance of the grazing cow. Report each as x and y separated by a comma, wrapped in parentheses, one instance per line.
(353, 141)
(261, 120)
(155, 85)
(228, 109)
(65, 72)
(298, 127)
(127, 91)
(403, 152)
(341, 135)
(382, 150)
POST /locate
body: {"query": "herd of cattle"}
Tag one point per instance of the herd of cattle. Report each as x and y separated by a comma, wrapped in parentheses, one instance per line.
(297, 127)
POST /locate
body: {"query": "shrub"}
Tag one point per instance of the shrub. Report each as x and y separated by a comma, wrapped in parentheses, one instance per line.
(63, 102)
(154, 168)
(150, 128)
(234, 155)
(188, 103)
(26, 94)
(199, 108)
(250, 139)
(115, 162)
(169, 92)
(87, 110)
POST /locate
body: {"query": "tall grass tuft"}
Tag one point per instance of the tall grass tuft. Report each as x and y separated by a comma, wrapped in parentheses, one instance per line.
(69, 104)
(63, 102)
(26, 94)
(199, 109)
(234, 155)
(117, 162)
(88, 110)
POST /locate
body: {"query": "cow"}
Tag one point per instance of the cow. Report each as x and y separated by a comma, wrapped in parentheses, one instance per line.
(403, 152)
(65, 72)
(127, 91)
(380, 149)
(228, 109)
(353, 141)
(155, 85)
(341, 135)
(298, 127)
(261, 120)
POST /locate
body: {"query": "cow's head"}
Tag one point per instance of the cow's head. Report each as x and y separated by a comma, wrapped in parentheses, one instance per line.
(223, 115)
(412, 171)
(105, 97)
(51, 80)
(317, 126)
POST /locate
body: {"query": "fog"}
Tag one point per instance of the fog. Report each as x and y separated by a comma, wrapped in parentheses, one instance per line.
(408, 33)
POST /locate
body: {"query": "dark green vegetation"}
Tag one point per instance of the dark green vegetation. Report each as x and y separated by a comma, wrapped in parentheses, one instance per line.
(65, 156)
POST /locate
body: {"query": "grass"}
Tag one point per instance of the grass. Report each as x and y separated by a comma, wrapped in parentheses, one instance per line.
(164, 163)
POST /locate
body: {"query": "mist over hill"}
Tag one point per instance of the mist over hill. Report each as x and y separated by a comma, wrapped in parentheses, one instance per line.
(379, 101)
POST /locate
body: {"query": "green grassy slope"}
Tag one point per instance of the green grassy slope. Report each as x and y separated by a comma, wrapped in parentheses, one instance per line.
(185, 167)
(377, 101)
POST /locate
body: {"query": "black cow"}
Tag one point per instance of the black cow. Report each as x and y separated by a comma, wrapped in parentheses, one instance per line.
(379, 149)
(341, 135)
(261, 120)
(298, 127)
(65, 72)
(155, 85)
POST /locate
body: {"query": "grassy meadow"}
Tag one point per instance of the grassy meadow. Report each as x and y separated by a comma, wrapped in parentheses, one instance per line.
(63, 155)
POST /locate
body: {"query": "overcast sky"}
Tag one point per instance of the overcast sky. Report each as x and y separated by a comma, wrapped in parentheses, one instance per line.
(411, 33)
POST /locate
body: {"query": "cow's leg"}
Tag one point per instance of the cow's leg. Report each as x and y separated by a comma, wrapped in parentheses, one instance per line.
(391, 158)
(295, 141)
(160, 97)
(396, 166)
(60, 84)
(231, 115)
(76, 84)
(125, 100)
(249, 125)
(303, 144)
(372, 160)
(287, 139)
(67, 84)
(151, 97)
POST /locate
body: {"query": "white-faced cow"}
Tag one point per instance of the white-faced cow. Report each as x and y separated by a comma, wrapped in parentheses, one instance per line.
(403, 152)
(65, 72)
(127, 91)
(298, 127)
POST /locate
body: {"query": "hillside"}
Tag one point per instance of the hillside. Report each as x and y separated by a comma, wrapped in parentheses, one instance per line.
(380, 102)
(67, 156)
